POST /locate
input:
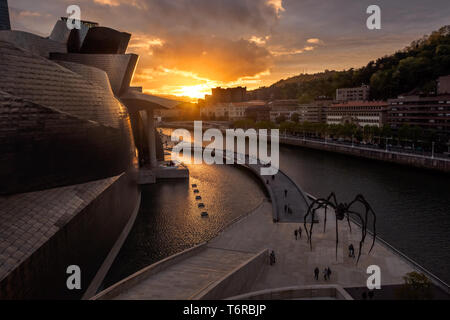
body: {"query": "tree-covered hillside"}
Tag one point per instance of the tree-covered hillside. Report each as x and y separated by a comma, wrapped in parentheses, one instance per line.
(416, 67)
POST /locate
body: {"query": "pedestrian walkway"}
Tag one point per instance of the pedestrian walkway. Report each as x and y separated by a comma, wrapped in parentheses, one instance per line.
(290, 201)
(189, 277)
(295, 262)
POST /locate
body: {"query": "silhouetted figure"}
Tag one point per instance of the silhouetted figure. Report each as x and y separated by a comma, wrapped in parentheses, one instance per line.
(351, 251)
(370, 294)
(273, 177)
(272, 258)
(328, 273)
(285, 208)
(296, 234)
(364, 295)
(316, 273)
(325, 274)
(300, 232)
(285, 193)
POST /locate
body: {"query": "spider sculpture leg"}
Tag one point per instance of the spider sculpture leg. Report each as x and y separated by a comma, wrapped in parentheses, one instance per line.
(315, 205)
(360, 198)
(311, 210)
(331, 197)
(364, 221)
(363, 231)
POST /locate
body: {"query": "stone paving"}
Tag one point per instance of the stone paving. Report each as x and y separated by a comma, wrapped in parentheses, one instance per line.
(295, 262)
(28, 220)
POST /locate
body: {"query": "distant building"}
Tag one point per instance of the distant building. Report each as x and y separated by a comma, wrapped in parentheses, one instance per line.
(286, 108)
(231, 110)
(361, 113)
(443, 85)
(314, 111)
(431, 112)
(284, 105)
(353, 94)
(258, 113)
(238, 94)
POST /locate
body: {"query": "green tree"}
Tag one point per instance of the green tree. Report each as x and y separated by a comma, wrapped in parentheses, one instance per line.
(280, 119)
(417, 286)
(295, 117)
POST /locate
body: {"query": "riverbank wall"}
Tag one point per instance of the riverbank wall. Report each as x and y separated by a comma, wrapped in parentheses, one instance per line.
(417, 161)
(412, 160)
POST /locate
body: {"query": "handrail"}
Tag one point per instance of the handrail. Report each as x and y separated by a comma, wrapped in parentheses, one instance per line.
(412, 155)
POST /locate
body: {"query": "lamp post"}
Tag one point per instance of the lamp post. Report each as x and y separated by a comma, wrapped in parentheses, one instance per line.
(432, 150)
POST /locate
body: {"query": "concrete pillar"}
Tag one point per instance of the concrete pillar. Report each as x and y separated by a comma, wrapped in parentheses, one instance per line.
(151, 139)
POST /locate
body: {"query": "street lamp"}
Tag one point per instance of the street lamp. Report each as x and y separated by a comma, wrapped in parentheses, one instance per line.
(432, 150)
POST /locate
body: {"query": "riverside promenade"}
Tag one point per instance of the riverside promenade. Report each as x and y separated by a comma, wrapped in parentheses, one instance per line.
(236, 261)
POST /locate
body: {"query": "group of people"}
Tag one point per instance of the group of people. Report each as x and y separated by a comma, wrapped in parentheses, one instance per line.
(287, 208)
(298, 233)
(369, 294)
(326, 273)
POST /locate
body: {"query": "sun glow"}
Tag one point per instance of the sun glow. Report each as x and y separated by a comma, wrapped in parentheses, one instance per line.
(197, 91)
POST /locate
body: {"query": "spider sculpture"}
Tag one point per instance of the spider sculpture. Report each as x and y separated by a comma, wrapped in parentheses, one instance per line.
(342, 211)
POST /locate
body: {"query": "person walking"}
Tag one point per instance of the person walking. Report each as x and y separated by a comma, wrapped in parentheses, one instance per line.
(296, 234)
(300, 232)
(272, 258)
(316, 273)
(351, 251)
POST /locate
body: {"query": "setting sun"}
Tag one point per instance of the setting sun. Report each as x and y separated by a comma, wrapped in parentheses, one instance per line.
(197, 91)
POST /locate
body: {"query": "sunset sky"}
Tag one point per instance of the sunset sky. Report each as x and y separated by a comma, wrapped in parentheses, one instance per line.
(188, 46)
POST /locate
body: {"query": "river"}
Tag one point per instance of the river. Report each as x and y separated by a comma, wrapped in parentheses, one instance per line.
(412, 206)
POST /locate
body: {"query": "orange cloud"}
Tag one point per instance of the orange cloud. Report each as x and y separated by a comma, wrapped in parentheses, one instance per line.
(212, 58)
